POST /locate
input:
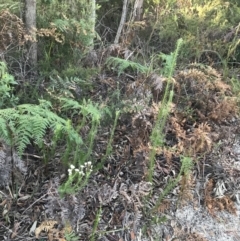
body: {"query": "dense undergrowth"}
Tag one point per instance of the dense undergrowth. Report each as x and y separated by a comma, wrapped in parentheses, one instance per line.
(111, 122)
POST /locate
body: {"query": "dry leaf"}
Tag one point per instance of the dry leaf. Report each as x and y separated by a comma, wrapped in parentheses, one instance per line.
(132, 234)
(33, 228)
(15, 229)
(45, 226)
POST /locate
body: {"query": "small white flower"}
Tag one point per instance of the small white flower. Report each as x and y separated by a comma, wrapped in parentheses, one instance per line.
(72, 166)
(82, 173)
(69, 172)
(89, 163)
(77, 170)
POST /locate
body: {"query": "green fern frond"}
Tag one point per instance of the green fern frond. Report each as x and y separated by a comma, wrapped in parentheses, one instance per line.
(122, 64)
(62, 25)
(87, 108)
(171, 60)
(68, 103)
(39, 125)
(20, 125)
(4, 133)
(93, 110)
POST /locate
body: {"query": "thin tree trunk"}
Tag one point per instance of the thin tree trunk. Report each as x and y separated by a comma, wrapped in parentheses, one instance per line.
(92, 20)
(122, 22)
(30, 21)
(138, 10)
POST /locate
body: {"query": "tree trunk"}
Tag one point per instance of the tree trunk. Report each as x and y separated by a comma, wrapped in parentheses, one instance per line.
(122, 22)
(92, 21)
(30, 21)
(138, 10)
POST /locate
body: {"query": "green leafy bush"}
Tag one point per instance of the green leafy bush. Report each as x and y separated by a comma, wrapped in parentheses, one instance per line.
(6, 90)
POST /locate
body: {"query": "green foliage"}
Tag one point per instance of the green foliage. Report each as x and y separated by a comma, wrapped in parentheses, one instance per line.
(236, 88)
(95, 225)
(204, 25)
(72, 87)
(20, 125)
(110, 141)
(77, 179)
(122, 64)
(157, 135)
(83, 73)
(186, 167)
(90, 114)
(171, 60)
(6, 91)
(73, 20)
(71, 236)
(10, 5)
(88, 109)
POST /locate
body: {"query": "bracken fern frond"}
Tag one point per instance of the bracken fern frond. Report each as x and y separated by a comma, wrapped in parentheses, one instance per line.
(123, 64)
(20, 125)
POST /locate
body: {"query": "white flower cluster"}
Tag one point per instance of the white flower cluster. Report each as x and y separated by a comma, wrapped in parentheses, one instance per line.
(87, 167)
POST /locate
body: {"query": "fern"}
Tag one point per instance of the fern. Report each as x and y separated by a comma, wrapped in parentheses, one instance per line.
(157, 135)
(123, 64)
(20, 125)
(87, 108)
(62, 25)
(68, 87)
(71, 236)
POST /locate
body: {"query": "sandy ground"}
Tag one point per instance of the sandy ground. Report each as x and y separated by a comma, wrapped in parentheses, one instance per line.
(223, 227)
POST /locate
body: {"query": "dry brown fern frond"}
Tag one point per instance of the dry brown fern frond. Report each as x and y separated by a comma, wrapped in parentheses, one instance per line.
(208, 199)
(163, 206)
(227, 204)
(228, 107)
(221, 86)
(52, 232)
(142, 124)
(12, 30)
(177, 128)
(51, 32)
(138, 89)
(210, 71)
(200, 140)
(193, 140)
(214, 204)
(193, 80)
(46, 226)
(203, 91)
(191, 74)
(168, 154)
(156, 82)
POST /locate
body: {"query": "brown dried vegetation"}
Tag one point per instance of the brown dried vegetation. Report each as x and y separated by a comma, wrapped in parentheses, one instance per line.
(12, 30)
(214, 204)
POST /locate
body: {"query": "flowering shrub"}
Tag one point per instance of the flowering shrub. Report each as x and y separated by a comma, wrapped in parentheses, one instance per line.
(77, 178)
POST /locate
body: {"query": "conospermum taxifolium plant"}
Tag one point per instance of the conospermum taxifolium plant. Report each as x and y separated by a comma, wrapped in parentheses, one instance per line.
(77, 179)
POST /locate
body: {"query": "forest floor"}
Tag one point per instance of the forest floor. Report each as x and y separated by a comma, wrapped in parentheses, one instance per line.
(119, 203)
